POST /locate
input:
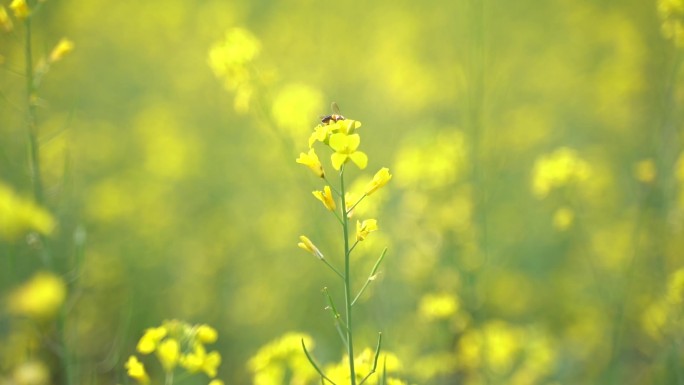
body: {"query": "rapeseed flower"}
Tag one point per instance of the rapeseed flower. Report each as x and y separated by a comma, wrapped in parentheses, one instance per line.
(380, 179)
(326, 197)
(345, 148)
(19, 215)
(168, 352)
(5, 21)
(150, 340)
(40, 298)
(307, 245)
(20, 9)
(364, 228)
(61, 49)
(311, 161)
(206, 334)
(136, 370)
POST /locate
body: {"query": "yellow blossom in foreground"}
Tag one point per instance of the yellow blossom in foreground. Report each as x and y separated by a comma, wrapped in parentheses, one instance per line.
(149, 341)
(326, 197)
(311, 161)
(62, 48)
(207, 334)
(364, 228)
(31, 373)
(20, 9)
(216, 382)
(307, 245)
(379, 179)
(40, 297)
(345, 148)
(5, 21)
(136, 370)
(168, 353)
(18, 216)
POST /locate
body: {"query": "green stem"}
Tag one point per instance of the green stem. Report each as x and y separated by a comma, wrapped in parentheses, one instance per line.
(347, 285)
(34, 154)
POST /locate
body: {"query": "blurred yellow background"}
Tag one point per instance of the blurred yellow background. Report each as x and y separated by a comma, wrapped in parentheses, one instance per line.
(535, 220)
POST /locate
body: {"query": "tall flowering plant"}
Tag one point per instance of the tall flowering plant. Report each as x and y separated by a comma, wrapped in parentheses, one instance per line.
(340, 137)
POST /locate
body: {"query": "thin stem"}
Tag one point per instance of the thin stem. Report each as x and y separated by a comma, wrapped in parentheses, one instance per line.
(313, 363)
(332, 268)
(336, 316)
(375, 360)
(347, 285)
(356, 204)
(34, 150)
(371, 276)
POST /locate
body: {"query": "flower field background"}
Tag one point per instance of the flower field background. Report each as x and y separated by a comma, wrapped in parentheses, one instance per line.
(534, 221)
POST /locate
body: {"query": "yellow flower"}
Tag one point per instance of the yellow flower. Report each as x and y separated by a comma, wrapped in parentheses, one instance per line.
(168, 353)
(62, 48)
(211, 363)
(307, 245)
(364, 228)
(321, 134)
(149, 341)
(18, 216)
(40, 297)
(136, 370)
(206, 334)
(5, 21)
(326, 197)
(20, 9)
(380, 179)
(311, 161)
(216, 382)
(345, 148)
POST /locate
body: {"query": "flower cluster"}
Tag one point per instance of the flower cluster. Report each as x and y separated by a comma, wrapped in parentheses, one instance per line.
(671, 14)
(231, 60)
(340, 135)
(177, 344)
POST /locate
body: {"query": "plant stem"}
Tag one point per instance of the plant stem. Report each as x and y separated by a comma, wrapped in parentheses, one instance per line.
(34, 154)
(347, 286)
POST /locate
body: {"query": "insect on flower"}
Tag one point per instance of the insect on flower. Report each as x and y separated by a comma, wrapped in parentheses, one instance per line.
(334, 117)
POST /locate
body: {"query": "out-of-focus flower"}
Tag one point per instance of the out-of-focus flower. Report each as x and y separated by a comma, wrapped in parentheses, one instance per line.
(345, 148)
(231, 61)
(136, 370)
(5, 21)
(311, 161)
(18, 216)
(326, 197)
(150, 340)
(168, 352)
(31, 373)
(20, 9)
(61, 49)
(671, 14)
(206, 334)
(380, 179)
(438, 306)
(364, 228)
(560, 168)
(307, 245)
(216, 381)
(40, 297)
(281, 361)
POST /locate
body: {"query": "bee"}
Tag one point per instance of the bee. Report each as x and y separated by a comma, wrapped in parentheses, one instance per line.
(334, 117)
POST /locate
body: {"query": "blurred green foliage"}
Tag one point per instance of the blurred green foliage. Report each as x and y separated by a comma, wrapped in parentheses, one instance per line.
(535, 221)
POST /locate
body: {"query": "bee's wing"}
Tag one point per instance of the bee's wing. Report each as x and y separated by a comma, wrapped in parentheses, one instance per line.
(335, 108)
